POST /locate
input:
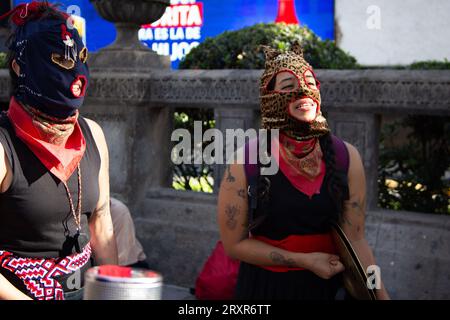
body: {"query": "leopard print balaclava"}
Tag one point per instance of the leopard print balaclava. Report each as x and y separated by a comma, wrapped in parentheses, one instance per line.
(274, 104)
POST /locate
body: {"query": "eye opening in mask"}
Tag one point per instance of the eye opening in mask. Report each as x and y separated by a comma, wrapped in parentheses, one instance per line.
(307, 76)
(84, 55)
(61, 61)
(289, 84)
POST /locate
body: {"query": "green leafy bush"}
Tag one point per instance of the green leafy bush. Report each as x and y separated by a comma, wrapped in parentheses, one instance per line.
(412, 176)
(240, 49)
(431, 65)
(3, 62)
(193, 177)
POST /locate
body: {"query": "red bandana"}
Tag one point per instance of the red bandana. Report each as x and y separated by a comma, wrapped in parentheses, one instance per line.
(59, 159)
(301, 162)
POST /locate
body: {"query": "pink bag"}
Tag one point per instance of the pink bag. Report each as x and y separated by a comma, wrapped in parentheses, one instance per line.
(217, 280)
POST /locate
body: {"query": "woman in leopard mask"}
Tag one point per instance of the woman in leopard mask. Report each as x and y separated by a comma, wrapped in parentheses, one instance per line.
(289, 253)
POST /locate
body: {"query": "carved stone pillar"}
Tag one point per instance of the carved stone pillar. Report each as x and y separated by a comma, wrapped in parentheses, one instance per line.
(231, 118)
(362, 131)
(137, 136)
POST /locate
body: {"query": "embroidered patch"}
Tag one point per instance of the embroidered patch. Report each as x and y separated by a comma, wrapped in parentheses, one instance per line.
(38, 275)
(70, 46)
(63, 62)
(84, 55)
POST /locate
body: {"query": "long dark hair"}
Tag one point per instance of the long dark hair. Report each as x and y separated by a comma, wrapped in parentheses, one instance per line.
(337, 183)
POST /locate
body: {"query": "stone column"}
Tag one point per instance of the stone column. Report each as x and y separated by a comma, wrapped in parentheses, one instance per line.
(231, 118)
(362, 130)
(138, 135)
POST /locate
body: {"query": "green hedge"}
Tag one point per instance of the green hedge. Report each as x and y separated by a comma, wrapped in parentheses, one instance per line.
(239, 49)
(431, 65)
(2, 60)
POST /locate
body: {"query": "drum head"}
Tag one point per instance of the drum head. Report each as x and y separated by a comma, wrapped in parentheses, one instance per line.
(354, 276)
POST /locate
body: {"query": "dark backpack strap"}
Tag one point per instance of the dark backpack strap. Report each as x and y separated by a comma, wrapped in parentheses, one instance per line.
(342, 156)
(342, 162)
(252, 175)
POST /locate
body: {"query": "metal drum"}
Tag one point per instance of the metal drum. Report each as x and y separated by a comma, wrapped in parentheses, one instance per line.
(122, 283)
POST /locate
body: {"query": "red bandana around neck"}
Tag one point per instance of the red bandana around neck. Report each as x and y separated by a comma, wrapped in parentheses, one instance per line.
(61, 159)
(301, 162)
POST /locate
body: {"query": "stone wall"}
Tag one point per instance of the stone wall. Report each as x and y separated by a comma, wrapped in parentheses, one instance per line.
(178, 229)
(412, 249)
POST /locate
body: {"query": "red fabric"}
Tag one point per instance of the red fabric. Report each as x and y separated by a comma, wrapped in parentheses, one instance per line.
(22, 13)
(300, 243)
(59, 160)
(298, 177)
(115, 271)
(217, 280)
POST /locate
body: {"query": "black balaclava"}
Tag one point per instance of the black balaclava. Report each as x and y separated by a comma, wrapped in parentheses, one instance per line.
(52, 58)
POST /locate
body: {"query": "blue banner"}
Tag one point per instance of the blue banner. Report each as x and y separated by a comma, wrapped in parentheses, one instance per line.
(187, 23)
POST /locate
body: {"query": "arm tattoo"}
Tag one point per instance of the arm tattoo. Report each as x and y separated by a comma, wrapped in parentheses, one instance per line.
(241, 193)
(279, 259)
(347, 221)
(230, 177)
(357, 206)
(231, 211)
(101, 211)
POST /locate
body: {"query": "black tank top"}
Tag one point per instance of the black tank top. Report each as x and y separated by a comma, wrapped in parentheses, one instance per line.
(291, 212)
(286, 212)
(35, 216)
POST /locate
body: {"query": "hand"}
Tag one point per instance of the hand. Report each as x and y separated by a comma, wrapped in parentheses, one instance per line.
(324, 265)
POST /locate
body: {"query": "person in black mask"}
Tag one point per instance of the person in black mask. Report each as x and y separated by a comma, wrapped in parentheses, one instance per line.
(55, 218)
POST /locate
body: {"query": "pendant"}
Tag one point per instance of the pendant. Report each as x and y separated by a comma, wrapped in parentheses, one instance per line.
(81, 239)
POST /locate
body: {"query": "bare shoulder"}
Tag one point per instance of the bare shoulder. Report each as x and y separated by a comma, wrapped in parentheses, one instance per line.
(98, 135)
(351, 149)
(356, 168)
(353, 152)
(95, 128)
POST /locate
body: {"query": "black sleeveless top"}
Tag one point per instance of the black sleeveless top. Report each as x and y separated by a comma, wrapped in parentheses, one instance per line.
(35, 216)
(291, 212)
(286, 212)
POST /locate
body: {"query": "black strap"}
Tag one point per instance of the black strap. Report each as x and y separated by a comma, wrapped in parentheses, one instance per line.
(253, 174)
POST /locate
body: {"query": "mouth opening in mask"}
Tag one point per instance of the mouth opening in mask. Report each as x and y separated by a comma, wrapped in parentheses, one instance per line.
(303, 108)
(78, 87)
